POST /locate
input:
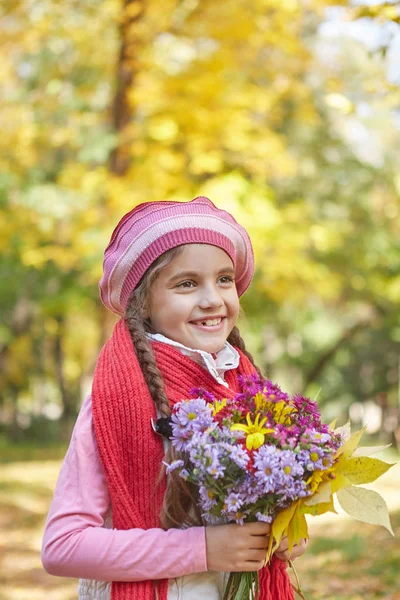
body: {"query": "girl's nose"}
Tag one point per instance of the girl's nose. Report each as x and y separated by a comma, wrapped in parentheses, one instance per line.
(210, 298)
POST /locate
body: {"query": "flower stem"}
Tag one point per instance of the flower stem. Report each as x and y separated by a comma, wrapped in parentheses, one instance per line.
(297, 589)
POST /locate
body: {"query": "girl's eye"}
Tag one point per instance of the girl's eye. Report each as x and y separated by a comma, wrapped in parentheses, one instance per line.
(226, 279)
(185, 284)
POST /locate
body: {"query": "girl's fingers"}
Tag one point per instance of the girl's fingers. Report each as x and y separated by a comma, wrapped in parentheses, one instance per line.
(283, 546)
(255, 555)
(256, 529)
(259, 543)
(298, 549)
(284, 555)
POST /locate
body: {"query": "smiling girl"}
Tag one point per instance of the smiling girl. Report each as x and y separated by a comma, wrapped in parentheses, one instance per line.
(174, 273)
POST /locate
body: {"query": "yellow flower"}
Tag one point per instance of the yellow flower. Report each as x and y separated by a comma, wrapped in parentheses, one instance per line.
(218, 405)
(255, 432)
(317, 478)
(282, 412)
(260, 401)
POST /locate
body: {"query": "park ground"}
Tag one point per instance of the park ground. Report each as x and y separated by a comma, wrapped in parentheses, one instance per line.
(346, 560)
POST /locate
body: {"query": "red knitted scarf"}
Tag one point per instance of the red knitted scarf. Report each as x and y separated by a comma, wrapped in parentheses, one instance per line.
(131, 453)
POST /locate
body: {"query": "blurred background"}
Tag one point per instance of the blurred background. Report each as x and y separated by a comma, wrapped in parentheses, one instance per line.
(284, 112)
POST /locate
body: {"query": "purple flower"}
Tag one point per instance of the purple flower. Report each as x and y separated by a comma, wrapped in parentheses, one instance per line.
(179, 437)
(239, 516)
(317, 457)
(268, 470)
(251, 384)
(291, 468)
(239, 455)
(233, 502)
(214, 466)
(189, 417)
(207, 498)
(250, 489)
(290, 493)
(309, 411)
(312, 458)
(193, 410)
(274, 393)
(264, 518)
(176, 464)
(202, 393)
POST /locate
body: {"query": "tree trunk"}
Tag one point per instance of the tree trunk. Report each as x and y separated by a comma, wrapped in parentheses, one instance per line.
(69, 407)
(127, 70)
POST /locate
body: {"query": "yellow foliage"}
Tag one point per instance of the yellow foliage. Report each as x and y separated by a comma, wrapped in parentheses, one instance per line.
(364, 505)
(19, 360)
(362, 469)
(351, 444)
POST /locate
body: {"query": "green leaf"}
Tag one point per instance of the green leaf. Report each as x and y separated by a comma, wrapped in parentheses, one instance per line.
(362, 469)
(365, 505)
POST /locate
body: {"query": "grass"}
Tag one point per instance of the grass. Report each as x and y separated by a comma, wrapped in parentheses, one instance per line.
(345, 560)
(26, 489)
(28, 451)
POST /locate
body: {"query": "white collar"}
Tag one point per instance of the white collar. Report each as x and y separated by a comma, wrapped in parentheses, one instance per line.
(227, 358)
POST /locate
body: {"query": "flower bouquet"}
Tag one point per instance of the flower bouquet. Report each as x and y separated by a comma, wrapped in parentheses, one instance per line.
(263, 456)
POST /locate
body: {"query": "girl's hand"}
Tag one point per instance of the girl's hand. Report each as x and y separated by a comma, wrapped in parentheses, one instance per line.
(282, 552)
(237, 547)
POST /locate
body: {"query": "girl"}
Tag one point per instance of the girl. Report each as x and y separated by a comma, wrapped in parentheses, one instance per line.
(174, 272)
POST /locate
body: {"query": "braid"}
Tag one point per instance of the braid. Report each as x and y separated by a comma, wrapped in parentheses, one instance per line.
(147, 361)
(235, 339)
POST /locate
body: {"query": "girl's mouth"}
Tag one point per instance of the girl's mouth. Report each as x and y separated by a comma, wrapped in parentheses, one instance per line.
(214, 324)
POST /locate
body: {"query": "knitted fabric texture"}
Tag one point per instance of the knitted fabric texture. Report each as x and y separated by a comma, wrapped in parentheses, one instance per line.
(152, 228)
(131, 453)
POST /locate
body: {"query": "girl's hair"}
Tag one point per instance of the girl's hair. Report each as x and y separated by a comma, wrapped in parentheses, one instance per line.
(179, 506)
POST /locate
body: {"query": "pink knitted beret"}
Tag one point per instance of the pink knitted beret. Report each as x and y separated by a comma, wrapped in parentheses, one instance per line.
(152, 228)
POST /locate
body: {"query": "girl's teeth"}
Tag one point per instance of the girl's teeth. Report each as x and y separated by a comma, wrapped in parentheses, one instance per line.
(211, 322)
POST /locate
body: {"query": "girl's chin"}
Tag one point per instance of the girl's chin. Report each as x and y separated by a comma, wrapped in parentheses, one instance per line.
(212, 347)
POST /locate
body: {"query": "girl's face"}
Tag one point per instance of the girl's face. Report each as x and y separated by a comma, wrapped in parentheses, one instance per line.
(194, 299)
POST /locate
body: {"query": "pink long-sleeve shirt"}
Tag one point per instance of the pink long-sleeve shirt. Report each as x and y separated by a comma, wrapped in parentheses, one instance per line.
(76, 543)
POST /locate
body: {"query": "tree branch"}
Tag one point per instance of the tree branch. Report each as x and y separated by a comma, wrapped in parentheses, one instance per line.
(347, 335)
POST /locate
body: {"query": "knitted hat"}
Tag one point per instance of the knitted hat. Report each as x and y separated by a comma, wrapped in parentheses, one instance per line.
(152, 228)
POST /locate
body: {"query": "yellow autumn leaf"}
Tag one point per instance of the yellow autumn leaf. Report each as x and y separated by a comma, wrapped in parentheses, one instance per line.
(368, 450)
(362, 469)
(344, 430)
(279, 526)
(365, 505)
(318, 509)
(351, 444)
(297, 529)
(339, 482)
(322, 495)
